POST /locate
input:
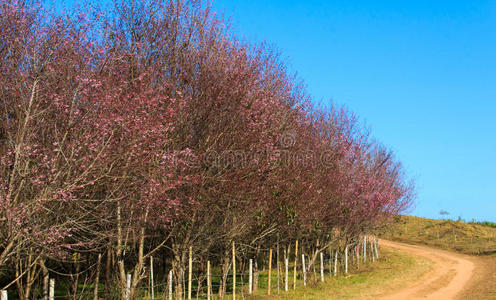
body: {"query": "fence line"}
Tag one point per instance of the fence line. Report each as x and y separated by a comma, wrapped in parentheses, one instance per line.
(339, 261)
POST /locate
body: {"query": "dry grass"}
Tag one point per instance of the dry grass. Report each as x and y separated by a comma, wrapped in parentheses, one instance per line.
(445, 234)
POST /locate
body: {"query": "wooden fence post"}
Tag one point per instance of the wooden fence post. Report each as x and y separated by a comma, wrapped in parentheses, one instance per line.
(250, 278)
(278, 268)
(3, 295)
(190, 272)
(357, 250)
(376, 248)
(372, 254)
(270, 272)
(286, 263)
(295, 265)
(304, 270)
(51, 289)
(45, 282)
(209, 281)
(170, 285)
(151, 277)
(234, 270)
(330, 262)
(321, 266)
(97, 277)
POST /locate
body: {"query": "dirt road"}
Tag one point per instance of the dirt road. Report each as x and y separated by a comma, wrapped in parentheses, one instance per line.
(448, 278)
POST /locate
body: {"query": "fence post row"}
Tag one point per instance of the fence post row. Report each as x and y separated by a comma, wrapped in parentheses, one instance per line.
(374, 252)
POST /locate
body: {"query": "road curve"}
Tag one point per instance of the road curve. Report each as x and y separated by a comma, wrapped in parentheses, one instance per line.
(449, 277)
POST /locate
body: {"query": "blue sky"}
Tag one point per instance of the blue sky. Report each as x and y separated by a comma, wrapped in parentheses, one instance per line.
(421, 74)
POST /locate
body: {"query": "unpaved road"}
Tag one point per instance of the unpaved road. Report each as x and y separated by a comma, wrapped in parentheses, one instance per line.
(449, 277)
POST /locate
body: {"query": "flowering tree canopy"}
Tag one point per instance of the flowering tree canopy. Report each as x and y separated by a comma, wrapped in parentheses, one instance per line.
(154, 128)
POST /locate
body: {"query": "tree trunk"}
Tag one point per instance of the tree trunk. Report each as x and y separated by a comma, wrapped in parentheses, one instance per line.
(255, 276)
(108, 270)
(225, 264)
(178, 269)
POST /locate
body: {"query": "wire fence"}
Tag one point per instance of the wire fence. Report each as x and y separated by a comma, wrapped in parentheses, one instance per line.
(277, 274)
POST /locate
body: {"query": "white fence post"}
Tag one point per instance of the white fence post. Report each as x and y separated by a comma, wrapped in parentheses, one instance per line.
(286, 266)
(336, 263)
(151, 277)
(128, 287)
(322, 266)
(51, 289)
(190, 272)
(3, 295)
(364, 249)
(170, 285)
(346, 260)
(250, 278)
(304, 270)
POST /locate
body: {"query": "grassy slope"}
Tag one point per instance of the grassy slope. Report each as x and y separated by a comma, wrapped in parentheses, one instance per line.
(445, 234)
(471, 239)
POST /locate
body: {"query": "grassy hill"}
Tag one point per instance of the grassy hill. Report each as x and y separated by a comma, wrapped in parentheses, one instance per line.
(468, 238)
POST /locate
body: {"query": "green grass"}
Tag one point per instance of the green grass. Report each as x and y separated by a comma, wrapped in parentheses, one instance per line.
(392, 271)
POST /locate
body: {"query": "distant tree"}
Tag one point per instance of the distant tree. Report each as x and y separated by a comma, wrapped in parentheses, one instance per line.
(444, 213)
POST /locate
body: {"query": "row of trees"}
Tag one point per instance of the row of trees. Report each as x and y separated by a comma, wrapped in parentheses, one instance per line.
(151, 128)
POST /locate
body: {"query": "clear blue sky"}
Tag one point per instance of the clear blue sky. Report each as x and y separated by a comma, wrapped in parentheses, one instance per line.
(422, 74)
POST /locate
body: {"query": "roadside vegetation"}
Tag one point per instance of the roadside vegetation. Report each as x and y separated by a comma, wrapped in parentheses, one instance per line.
(393, 271)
